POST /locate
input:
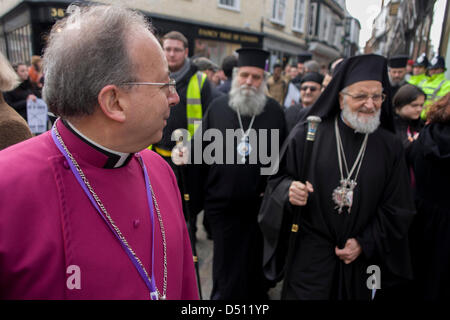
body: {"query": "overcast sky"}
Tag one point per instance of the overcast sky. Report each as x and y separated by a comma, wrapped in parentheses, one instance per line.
(366, 10)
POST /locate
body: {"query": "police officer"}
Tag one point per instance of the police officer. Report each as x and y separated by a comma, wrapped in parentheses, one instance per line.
(420, 66)
(437, 85)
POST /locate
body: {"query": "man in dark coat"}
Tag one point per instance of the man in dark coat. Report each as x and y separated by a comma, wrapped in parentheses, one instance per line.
(181, 69)
(356, 203)
(195, 92)
(310, 88)
(235, 176)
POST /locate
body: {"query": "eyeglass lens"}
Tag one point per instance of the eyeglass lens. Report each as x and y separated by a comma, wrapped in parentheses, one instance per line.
(307, 87)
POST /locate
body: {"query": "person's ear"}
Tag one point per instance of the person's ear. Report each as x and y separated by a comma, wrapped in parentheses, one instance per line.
(341, 100)
(186, 52)
(112, 103)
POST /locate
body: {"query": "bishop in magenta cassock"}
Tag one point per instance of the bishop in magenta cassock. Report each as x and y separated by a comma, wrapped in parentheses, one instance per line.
(84, 214)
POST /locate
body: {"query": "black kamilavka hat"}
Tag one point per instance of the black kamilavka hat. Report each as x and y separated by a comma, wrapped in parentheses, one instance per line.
(398, 61)
(349, 71)
(312, 76)
(252, 57)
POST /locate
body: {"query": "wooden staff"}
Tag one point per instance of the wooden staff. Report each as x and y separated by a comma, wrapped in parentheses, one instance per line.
(313, 124)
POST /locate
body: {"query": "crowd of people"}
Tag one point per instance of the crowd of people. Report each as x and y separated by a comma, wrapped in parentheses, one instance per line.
(103, 208)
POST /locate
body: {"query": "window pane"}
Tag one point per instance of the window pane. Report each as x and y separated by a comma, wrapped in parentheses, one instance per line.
(281, 8)
(229, 3)
(299, 14)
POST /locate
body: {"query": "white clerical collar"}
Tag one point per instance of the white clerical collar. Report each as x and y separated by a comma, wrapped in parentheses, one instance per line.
(116, 159)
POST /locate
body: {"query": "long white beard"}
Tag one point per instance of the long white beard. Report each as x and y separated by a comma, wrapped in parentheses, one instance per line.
(250, 101)
(359, 125)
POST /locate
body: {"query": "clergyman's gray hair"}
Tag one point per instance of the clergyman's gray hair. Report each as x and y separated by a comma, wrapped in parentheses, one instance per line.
(8, 77)
(87, 51)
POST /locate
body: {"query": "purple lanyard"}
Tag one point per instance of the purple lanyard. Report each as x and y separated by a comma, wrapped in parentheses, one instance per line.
(150, 285)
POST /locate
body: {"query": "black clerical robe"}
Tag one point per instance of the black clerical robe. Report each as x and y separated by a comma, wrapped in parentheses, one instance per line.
(232, 196)
(293, 115)
(379, 219)
(394, 88)
(430, 231)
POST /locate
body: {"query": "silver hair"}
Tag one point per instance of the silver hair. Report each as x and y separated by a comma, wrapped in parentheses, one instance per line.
(8, 77)
(87, 51)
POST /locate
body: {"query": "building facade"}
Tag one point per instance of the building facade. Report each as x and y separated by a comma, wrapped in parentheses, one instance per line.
(326, 31)
(214, 28)
(350, 40)
(444, 43)
(403, 27)
(284, 26)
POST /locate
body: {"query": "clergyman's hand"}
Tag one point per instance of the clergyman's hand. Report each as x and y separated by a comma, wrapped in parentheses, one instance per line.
(350, 252)
(298, 193)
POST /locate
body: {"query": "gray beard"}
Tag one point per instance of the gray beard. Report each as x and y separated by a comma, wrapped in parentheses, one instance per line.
(396, 83)
(359, 126)
(248, 101)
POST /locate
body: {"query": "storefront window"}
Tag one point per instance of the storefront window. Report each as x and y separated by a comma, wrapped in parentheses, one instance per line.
(19, 44)
(216, 51)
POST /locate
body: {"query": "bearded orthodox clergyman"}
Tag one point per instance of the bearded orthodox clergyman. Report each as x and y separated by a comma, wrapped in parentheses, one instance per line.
(356, 203)
(397, 72)
(233, 190)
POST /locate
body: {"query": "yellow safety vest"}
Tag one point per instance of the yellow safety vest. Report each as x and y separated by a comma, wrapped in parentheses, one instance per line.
(435, 88)
(194, 101)
(418, 79)
(194, 110)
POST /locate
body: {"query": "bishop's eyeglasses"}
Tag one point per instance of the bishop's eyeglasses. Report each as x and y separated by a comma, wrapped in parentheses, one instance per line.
(172, 84)
(362, 97)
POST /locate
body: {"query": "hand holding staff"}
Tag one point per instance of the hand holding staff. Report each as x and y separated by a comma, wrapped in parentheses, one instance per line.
(298, 195)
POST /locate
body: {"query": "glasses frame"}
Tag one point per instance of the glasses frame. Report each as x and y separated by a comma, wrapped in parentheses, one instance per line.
(369, 96)
(171, 84)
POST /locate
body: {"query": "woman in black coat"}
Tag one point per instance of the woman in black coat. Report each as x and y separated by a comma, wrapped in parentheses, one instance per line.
(18, 97)
(430, 159)
(408, 104)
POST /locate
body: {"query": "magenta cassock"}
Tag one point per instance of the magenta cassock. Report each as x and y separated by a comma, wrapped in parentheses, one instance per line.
(54, 244)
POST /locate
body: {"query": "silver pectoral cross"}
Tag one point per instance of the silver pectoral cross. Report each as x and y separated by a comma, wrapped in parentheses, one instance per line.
(343, 195)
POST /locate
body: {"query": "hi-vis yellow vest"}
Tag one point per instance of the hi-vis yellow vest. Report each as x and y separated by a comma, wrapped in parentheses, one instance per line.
(194, 101)
(435, 88)
(194, 110)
